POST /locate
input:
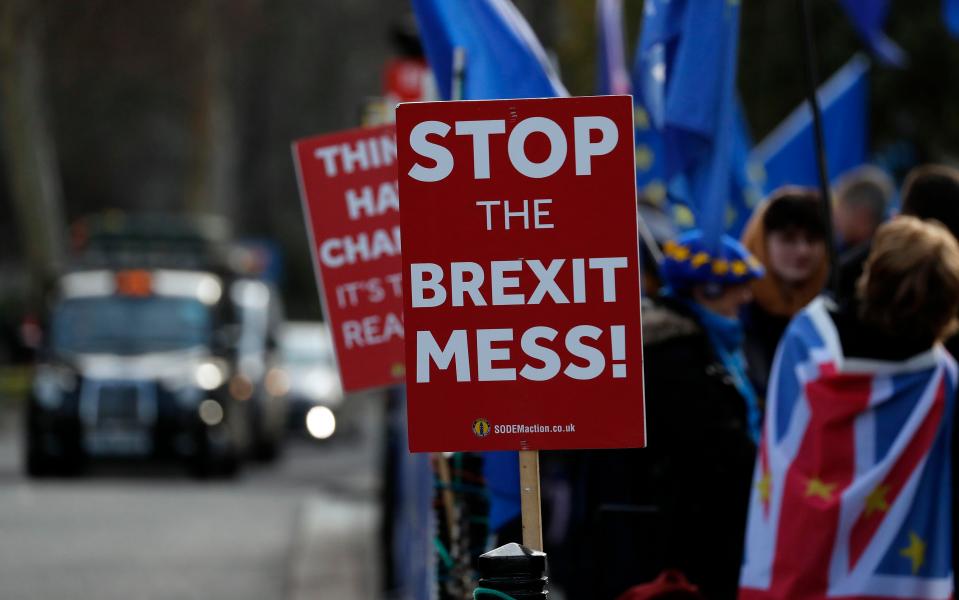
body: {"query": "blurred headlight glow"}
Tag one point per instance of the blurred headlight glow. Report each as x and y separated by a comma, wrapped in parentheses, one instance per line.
(320, 422)
(241, 387)
(209, 290)
(209, 376)
(277, 382)
(210, 412)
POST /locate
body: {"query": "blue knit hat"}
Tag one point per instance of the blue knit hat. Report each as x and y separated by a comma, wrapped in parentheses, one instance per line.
(687, 262)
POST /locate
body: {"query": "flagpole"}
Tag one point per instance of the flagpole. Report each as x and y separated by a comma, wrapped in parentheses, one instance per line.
(812, 83)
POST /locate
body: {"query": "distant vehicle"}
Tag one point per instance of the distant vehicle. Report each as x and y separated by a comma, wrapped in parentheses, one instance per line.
(138, 363)
(259, 377)
(315, 393)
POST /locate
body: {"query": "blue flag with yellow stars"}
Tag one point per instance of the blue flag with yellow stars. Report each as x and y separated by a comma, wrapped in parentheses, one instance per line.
(503, 57)
(692, 142)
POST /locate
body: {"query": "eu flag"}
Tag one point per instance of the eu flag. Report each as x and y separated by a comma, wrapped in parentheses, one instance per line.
(788, 154)
(503, 57)
(868, 18)
(950, 14)
(685, 79)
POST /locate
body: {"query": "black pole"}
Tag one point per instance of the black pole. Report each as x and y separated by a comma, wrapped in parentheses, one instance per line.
(812, 83)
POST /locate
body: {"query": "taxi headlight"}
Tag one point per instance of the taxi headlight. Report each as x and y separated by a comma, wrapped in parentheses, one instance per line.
(209, 375)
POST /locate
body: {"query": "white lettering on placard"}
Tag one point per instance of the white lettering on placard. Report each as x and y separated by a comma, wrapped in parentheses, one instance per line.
(516, 147)
(372, 330)
(468, 278)
(480, 130)
(427, 350)
(538, 213)
(373, 290)
(362, 155)
(418, 273)
(596, 362)
(427, 149)
(364, 203)
(486, 354)
(362, 247)
(584, 148)
(549, 358)
(587, 361)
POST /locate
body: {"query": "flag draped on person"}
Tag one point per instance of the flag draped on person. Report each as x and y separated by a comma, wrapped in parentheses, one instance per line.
(868, 18)
(687, 122)
(504, 59)
(788, 154)
(851, 489)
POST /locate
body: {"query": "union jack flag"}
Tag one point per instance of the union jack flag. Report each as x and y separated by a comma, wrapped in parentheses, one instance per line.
(852, 485)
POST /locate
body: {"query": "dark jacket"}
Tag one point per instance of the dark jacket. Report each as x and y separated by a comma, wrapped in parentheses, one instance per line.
(763, 332)
(680, 502)
(851, 263)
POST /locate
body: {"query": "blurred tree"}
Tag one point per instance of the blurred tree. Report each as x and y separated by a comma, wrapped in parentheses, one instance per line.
(28, 147)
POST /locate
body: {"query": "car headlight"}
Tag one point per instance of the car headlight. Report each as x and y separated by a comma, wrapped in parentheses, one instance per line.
(209, 375)
(320, 422)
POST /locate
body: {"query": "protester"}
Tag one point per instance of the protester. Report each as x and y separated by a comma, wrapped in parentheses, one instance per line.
(929, 192)
(848, 493)
(682, 500)
(932, 192)
(788, 235)
(661, 229)
(861, 201)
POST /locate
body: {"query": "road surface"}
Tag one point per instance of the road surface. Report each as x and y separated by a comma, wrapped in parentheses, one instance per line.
(302, 528)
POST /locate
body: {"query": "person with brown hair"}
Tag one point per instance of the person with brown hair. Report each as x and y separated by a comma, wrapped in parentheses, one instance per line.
(788, 236)
(848, 491)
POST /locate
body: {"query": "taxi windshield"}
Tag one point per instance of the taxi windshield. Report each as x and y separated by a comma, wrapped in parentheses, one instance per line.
(123, 325)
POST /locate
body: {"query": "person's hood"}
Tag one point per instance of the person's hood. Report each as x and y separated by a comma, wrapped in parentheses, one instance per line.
(768, 291)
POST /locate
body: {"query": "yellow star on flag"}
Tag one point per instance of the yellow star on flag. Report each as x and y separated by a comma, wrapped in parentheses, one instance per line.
(915, 551)
(817, 487)
(756, 172)
(700, 259)
(730, 216)
(641, 118)
(765, 486)
(644, 157)
(683, 216)
(655, 192)
(876, 500)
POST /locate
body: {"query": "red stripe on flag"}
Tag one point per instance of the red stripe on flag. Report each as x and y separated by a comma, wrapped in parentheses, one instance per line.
(824, 466)
(918, 447)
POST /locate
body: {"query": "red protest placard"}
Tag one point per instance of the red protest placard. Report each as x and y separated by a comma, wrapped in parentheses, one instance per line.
(350, 202)
(521, 274)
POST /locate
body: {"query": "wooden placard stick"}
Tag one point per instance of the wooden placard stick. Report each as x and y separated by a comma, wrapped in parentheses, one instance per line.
(529, 499)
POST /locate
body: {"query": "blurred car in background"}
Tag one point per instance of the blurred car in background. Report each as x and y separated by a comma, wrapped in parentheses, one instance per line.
(141, 355)
(259, 379)
(315, 394)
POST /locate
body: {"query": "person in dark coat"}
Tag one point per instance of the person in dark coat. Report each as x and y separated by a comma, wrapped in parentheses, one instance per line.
(680, 503)
(787, 234)
(861, 201)
(929, 192)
